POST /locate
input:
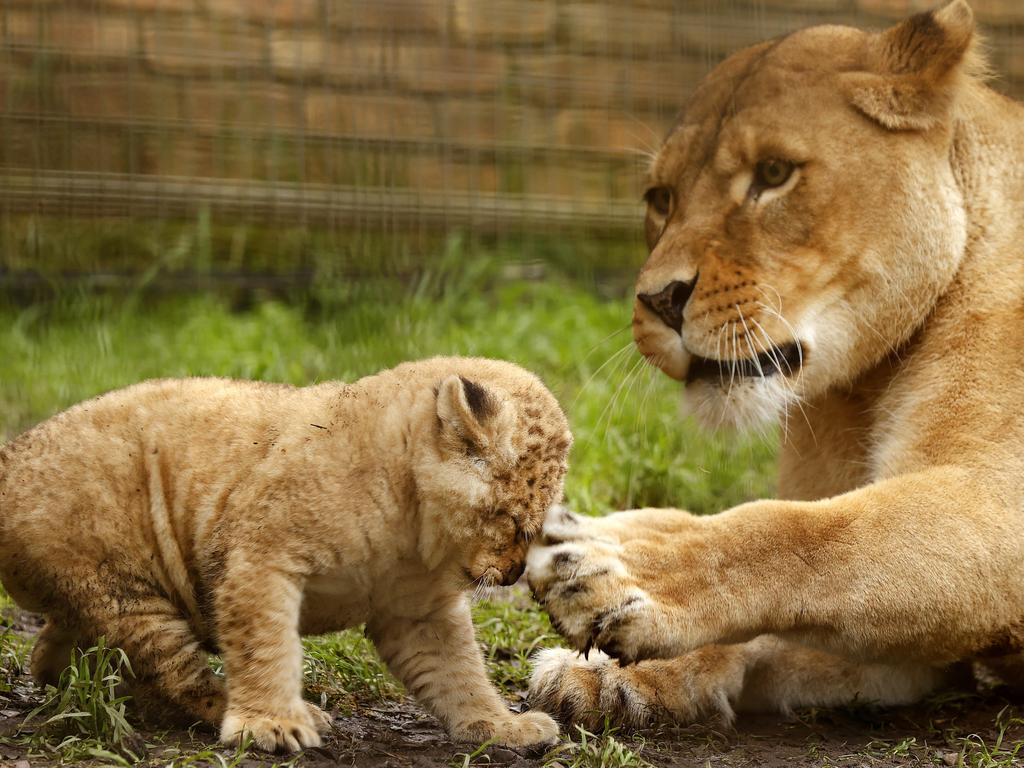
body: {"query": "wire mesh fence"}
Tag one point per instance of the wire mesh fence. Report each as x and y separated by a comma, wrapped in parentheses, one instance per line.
(281, 138)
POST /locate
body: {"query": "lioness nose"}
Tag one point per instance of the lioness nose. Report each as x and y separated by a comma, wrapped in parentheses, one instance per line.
(668, 303)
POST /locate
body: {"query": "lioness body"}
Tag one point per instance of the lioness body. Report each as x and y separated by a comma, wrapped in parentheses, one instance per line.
(181, 516)
(837, 233)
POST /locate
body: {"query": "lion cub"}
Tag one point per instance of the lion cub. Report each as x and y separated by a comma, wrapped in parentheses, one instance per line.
(180, 517)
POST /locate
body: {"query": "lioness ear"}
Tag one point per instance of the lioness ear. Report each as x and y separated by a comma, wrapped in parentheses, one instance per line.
(915, 67)
(466, 411)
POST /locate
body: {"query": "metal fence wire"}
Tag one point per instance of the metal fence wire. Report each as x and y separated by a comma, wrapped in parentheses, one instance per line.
(242, 136)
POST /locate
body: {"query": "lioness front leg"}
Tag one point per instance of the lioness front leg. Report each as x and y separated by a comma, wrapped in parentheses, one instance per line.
(439, 662)
(923, 566)
(257, 624)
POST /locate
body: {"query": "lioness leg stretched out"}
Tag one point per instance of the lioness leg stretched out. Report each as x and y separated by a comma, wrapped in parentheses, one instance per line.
(836, 227)
(773, 672)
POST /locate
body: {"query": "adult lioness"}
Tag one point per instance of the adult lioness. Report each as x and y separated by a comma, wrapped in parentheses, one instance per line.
(836, 228)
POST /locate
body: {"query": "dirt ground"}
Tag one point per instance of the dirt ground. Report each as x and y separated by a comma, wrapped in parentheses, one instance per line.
(958, 728)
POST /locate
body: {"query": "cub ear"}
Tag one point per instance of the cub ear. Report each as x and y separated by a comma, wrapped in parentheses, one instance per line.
(467, 412)
(915, 67)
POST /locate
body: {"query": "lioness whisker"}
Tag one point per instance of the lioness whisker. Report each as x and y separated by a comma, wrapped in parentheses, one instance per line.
(609, 409)
(792, 332)
(750, 346)
(796, 398)
(651, 379)
(770, 353)
(621, 362)
(617, 355)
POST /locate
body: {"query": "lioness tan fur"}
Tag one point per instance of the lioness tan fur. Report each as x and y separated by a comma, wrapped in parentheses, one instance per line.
(836, 227)
(180, 517)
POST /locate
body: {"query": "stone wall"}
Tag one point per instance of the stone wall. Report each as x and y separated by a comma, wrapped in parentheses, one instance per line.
(498, 113)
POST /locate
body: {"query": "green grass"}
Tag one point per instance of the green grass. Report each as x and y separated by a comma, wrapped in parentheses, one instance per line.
(97, 249)
(509, 634)
(632, 448)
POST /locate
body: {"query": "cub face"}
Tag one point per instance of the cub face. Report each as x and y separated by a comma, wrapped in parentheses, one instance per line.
(802, 216)
(496, 465)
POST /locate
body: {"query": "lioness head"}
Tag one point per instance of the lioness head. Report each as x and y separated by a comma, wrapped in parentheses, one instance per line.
(500, 453)
(803, 216)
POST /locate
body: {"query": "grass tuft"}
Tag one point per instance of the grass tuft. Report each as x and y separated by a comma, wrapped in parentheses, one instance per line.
(509, 633)
(343, 669)
(85, 709)
(589, 750)
(976, 752)
(13, 659)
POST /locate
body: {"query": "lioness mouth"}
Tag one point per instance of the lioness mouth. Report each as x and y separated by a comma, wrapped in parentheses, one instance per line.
(782, 359)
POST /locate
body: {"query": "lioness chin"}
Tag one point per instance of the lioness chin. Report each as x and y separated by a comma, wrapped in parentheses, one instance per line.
(836, 233)
(181, 517)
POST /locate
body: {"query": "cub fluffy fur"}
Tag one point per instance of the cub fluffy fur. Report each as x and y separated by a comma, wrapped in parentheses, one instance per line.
(836, 226)
(180, 517)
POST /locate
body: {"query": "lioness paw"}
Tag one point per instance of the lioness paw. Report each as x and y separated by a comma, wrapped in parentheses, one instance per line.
(273, 733)
(584, 690)
(592, 600)
(562, 524)
(699, 687)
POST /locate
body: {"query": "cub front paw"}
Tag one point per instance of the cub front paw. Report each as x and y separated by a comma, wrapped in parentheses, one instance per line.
(321, 720)
(592, 599)
(532, 730)
(274, 733)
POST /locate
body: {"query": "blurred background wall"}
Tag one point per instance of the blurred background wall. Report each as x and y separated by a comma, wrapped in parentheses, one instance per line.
(280, 141)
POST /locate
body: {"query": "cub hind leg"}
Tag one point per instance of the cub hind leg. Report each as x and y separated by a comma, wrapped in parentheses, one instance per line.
(166, 656)
(51, 653)
(711, 684)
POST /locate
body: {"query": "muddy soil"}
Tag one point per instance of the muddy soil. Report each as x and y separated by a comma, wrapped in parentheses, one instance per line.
(957, 728)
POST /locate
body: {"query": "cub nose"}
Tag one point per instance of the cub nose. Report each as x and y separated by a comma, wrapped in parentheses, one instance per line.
(512, 575)
(668, 303)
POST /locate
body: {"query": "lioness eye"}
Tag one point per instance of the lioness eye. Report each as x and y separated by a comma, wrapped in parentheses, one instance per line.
(772, 173)
(660, 199)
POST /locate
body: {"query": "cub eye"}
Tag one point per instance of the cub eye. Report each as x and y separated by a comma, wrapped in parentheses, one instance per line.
(772, 173)
(660, 199)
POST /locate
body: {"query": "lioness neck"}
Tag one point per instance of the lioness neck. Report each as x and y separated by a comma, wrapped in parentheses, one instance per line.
(986, 156)
(882, 424)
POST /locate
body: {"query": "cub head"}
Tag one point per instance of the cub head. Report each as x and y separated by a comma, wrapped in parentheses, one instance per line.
(498, 457)
(803, 216)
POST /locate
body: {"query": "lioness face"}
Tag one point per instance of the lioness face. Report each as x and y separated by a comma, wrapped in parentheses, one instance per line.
(796, 234)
